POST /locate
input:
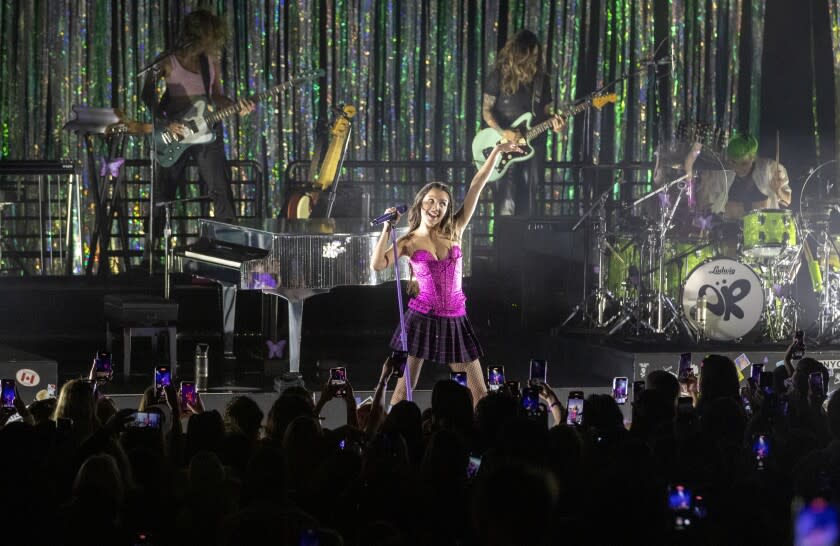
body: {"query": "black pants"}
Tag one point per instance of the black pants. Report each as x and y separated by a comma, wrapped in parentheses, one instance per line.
(212, 166)
(516, 191)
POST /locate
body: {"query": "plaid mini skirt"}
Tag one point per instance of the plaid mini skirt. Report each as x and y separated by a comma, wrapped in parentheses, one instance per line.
(440, 339)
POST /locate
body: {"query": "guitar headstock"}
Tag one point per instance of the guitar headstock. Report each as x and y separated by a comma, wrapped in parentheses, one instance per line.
(599, 101)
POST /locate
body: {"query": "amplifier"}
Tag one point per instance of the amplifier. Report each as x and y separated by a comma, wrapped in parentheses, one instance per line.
(31, 372)
(539, 264)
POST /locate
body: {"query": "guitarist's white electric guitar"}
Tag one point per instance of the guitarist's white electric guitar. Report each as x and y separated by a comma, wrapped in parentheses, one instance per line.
(486, 139)
(200, 120)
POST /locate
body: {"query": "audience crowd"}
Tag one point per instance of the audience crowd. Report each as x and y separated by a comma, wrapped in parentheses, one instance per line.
(724, 469)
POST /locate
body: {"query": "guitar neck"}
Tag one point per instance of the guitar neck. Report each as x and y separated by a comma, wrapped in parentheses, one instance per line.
(232, 110)
(540, 128)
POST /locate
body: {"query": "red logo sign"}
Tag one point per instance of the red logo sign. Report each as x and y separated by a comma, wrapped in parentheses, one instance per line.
(27, 377)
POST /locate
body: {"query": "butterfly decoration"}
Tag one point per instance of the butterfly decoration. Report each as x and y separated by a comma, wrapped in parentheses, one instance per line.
(275, 348)
(704, 222)
(111, 168)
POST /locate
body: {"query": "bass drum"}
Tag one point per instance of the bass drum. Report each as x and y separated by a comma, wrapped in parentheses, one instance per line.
(734, 298)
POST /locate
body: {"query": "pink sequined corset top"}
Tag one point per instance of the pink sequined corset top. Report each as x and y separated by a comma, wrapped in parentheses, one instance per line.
(440, 283)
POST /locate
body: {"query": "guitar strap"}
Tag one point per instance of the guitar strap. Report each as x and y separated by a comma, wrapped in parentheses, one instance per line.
(205, 75)
(536, 93)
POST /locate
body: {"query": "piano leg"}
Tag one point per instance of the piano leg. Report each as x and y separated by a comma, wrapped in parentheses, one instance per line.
(296, 297)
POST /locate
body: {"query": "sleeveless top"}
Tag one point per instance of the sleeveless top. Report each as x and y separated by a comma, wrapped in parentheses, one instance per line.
(182, 83)
(440, 283)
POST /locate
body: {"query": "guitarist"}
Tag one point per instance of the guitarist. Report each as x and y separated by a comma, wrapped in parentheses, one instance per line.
(192, 71)
(518, 84)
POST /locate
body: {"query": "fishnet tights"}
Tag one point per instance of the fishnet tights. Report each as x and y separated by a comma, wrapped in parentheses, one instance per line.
(475, 378)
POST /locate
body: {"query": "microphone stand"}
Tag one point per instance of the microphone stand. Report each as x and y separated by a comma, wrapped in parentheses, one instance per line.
(403, 337)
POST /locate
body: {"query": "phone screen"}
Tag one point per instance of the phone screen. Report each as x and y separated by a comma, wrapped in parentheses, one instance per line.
(495, 377)
(144, 419)
(574, 407)
(187, 395)
(638, 389)
(8, 393)
(338, 376)
(685, 365)
(51, 390)
(530, 400)
(680, 502)
(538, 370)
(104, 368)
(163, 378)
(816, 524)
(459, 377)
(473, 466)
(761, 450)
(620, 390)
(815, 379)
(755, 374)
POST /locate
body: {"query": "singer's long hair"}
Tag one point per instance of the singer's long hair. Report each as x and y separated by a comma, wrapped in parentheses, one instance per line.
(202, 32)
(446, 228)
(519, 61)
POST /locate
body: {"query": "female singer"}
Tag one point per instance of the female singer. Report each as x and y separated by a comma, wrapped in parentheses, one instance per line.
(437, 327)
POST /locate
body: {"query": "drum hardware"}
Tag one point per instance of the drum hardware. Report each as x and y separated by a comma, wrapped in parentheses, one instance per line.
(600, 295)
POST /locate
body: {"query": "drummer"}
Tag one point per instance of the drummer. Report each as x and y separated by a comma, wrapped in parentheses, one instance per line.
(752, 183)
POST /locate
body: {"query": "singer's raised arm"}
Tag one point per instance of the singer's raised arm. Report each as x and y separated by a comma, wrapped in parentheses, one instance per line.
(383, 253)
(464, 215)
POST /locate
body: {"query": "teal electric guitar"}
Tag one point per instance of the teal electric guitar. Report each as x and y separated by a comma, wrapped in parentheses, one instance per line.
(200, 121)
(486, 139)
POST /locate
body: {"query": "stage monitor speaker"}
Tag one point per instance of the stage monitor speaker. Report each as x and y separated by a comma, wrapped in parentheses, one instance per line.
(539, 269)
(31, 372)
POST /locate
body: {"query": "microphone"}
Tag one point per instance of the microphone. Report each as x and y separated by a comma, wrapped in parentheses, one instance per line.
(388, 216)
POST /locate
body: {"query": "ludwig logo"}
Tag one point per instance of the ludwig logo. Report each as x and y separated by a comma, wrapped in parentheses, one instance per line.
(27, 377)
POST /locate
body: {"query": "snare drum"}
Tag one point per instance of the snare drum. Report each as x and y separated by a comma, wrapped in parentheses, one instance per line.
(622, 263)
(768, 232)
(681, 257)
(734, 298)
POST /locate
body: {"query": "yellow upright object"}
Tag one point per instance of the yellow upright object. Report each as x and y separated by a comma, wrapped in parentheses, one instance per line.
(813, 269)
(339, 134)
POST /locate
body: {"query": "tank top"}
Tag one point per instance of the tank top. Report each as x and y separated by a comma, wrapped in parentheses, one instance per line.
(182, 83)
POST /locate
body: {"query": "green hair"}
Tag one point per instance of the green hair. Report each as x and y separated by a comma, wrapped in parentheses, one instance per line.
(741, 147)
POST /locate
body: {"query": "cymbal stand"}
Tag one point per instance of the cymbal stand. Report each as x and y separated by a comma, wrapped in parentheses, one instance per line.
(600, 294)
(656, 241)
(829, 316)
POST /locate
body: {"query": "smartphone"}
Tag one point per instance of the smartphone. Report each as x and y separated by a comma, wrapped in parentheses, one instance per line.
(143, 419)
(51, 390)
(760, 450)
(685, 405)
(681, 503)
(495, 378)
(459, 377)
(638, 389)
(755, 373)
(815, 380)
(799, 349)
(620, 390)
(538, 372)
(816, 523)
(685, 366)
(513, 388)
(398, 361)
(188, 395)
(104, 370)
(765, 382)
(530, 400)
(163, 378)
(8, 392)
(574, 406)
(338, 377)
(473, 466)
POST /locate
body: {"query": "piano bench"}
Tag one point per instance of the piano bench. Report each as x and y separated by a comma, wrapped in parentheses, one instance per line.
(141, 316)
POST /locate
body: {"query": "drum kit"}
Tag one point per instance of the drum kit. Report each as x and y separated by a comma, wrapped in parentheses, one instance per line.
(677, 273)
